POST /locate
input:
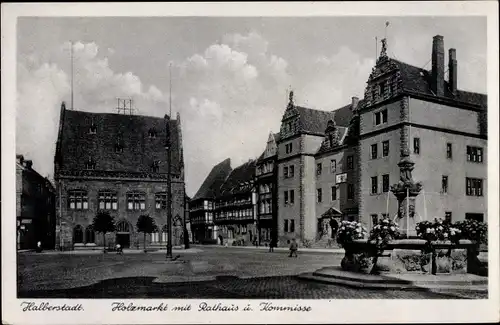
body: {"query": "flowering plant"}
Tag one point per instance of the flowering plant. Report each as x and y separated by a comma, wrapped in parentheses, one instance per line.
(473, 230)
(384, 231)
(350, 230)
(438, 230)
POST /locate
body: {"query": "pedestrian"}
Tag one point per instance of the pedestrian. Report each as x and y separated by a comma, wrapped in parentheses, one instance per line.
(39, 247)
(119, 249)
(293, 248)
(271, 246)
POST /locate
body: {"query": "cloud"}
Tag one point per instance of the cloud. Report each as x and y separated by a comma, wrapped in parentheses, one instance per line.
(230, 96)
(42, 86)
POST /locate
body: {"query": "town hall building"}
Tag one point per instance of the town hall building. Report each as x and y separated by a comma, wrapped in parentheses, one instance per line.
(117, 163)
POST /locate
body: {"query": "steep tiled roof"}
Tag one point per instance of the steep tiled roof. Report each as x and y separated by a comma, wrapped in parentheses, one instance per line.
(239, 175)
(315, 121)
(418, 80)
(343, 115)
(76, 145)
(211, 186)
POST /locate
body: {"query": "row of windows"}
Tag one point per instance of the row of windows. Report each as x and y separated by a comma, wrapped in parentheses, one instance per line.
(265, 168)
(235, 214)
(90, 164)
(233, 201)
(151, 132)
(108, 200)
(333, 165)
(333, 193)
(474, 154)
(265, 188)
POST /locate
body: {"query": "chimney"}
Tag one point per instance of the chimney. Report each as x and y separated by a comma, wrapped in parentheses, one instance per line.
(354, 104)
(452, 71)
(29, 164)
(20, 159)
(437, 82)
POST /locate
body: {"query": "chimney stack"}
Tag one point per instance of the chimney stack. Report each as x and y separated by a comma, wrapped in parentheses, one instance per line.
(452, 71)
(437, 82)
(354, 104)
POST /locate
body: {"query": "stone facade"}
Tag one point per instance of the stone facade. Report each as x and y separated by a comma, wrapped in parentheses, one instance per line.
(119, 164)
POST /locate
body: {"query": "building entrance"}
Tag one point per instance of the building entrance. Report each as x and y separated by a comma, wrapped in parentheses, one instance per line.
(123, 234)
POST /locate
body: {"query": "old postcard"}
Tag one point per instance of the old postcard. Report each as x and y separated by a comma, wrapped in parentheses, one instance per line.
(250, 163)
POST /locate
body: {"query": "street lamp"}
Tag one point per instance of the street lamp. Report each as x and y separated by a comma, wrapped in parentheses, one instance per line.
(168, 147)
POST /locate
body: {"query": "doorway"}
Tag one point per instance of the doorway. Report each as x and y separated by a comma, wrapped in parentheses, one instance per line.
(123, 234)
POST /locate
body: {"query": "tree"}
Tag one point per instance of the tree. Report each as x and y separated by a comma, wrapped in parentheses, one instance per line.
(146, 225)
(103, 222)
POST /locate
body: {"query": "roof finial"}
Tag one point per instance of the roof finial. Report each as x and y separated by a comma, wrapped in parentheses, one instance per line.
(383, 52)
(290, 97)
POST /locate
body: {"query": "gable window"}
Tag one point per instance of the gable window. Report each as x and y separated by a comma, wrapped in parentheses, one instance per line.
(449, 152)
(374, 151)
(152, 133)
(136, 201)
(291, 171)
(289, 126)
(350, 162)
(374, 185)
(416, 146)
(90, 164)
(475, 154)
(319, 195)
(161, 201)
(319, 167)
(334, 193)
(385, 183)
(108, 200)
(444, 184)
(473, 186)
(385, 148)
(78, 200)
(333, 165)
(350, 191)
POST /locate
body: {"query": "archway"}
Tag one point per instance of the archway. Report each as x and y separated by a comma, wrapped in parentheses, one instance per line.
(78, 234)
(89, 235)
(123, 233)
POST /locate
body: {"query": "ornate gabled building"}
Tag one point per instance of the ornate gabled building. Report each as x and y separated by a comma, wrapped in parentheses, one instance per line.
(235, 207)
(300, 182)
(201, 209)
(266, 173)
(117, 163)
(409, 110)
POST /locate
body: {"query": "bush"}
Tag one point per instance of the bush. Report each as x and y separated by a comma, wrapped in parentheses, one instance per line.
(349, 231)
(473, 230)
(384, 231)
(438, 230)
(307, 243)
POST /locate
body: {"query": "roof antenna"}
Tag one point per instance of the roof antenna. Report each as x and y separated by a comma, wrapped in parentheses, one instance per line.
(72, 84)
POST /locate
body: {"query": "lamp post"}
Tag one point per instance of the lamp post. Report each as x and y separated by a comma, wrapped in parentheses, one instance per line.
(168, 146)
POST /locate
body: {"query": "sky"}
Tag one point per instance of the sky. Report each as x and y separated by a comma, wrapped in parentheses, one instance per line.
(230, 76)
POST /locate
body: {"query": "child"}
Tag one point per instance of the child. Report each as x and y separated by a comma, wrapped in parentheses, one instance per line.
(293, 248)
(119, 249)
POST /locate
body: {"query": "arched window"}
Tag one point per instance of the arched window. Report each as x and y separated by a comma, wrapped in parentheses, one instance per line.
(78, 234)
(155, 236)
(122, 226)
(164, 234)
(89, 235)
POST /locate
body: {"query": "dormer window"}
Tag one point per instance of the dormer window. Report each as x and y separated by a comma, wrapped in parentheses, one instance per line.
(152, 133)
(155, 167)
(90, 164)
(93, 127)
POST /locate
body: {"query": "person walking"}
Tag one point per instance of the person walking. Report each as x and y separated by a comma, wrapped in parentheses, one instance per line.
(271, 245)
(39, 247)
(293, 248)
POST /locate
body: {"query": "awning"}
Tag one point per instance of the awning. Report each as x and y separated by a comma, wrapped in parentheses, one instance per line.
(332, 212)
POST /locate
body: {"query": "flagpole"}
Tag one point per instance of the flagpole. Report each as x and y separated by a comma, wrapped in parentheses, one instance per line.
(72, 84)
